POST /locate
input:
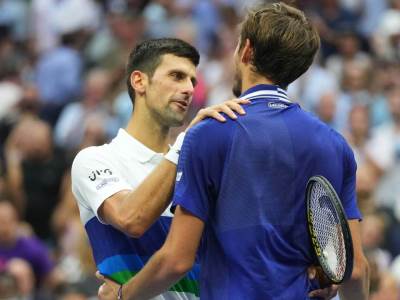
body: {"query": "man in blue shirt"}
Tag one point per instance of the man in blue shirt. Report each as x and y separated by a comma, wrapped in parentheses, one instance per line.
(241, 185)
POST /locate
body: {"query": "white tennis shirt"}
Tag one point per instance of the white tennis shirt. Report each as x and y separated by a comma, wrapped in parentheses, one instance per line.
(99, 172)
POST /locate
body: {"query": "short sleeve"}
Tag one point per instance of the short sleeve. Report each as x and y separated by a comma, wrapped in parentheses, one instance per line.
(94, 179)
(348, 194)
(200, 169)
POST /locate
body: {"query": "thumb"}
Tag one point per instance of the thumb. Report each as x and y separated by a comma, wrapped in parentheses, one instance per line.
(312, 272)
(99, 276)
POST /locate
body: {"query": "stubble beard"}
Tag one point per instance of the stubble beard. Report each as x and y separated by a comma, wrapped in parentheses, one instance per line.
(237, 84)
(168, 117)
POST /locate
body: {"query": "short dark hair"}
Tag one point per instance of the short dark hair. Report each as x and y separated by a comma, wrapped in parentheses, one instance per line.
(284, 42)
(147, 55)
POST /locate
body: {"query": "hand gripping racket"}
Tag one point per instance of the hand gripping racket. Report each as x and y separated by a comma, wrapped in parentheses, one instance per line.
(329, 231)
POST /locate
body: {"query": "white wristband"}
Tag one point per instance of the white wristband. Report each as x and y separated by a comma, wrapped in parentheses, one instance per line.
(173, 153)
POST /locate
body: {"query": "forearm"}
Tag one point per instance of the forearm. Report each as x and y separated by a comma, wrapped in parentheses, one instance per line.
(142, 206)
(155, 278)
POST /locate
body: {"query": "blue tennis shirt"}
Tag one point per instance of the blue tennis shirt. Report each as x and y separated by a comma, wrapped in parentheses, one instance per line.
(246, 180)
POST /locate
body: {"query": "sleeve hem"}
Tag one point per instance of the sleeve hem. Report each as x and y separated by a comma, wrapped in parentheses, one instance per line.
(188, 208)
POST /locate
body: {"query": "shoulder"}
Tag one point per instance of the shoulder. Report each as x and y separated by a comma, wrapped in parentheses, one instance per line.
(88, 160)
(88, 155)
(209, 138)
(212, 130)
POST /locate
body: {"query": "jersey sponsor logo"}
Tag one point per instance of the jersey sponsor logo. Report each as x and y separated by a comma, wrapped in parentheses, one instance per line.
(95, 173)
(277, 105)
(179, 176)
(105, 181)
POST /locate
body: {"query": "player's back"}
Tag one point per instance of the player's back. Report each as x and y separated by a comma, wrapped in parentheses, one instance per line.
(256, 244)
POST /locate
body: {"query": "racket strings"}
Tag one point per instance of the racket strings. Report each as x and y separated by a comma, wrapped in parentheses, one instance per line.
(328, 231)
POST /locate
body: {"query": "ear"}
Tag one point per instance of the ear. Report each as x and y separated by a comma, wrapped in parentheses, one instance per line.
(247, 52)
(139, 82)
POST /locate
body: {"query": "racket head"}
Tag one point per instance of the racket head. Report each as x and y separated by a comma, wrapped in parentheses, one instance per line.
(333, 246)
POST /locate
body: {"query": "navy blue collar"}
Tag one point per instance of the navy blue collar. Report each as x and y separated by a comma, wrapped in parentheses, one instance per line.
(265, 91)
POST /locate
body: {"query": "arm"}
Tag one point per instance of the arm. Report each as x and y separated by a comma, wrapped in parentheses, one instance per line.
(167, 265)
(357, 287)
(133, 212)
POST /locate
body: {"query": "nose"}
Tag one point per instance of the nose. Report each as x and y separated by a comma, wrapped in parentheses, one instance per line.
(188, 88)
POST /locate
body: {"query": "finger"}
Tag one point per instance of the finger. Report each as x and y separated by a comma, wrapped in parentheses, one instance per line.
(228, 111)
(216, 115)
(196, 120)
(333, 290)
(312, 272)
(318, 293)
(211, 112)
(99, 276)
(242, 101)
(236, 107)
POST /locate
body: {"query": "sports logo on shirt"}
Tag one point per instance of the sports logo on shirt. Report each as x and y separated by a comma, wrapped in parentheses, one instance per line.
(105, 181)
(277, 105)
(95, 173)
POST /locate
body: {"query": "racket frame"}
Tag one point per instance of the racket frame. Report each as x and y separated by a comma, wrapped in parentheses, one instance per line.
(348, 243)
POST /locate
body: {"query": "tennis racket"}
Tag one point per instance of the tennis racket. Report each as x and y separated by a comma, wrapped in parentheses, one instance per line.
(329, 231)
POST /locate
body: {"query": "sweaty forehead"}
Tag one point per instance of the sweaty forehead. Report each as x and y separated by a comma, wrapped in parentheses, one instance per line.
(173, 62)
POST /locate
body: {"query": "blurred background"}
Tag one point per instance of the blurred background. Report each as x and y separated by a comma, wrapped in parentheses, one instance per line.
(62, 88)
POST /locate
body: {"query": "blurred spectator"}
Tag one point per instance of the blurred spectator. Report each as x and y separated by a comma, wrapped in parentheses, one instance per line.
(10, 86)
(366, 183)
(122, 108)
(52, 18)
(358, 132)
(354, 86)
(371, 15)
(387, 36)
(388, 288)
(384, 147)
(326, 109)
(331, 18)
(27, 248)
(59, 71)
(380, 82)
(75, 117)
(23, 273)
(349, 52)
(373, 230)
(311, 86)
(34, 171)
(109, 47)
(8, 286)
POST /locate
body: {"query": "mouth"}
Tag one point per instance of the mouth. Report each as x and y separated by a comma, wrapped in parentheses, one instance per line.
(181, 104)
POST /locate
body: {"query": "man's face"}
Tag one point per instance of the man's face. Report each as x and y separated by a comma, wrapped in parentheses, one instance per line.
(237, 79)
(170, 90)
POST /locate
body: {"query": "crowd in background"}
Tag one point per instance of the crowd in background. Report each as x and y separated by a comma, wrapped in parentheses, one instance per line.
(63, 88)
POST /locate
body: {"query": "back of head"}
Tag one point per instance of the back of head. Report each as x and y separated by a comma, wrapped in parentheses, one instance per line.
(147, 56)
(283, 40)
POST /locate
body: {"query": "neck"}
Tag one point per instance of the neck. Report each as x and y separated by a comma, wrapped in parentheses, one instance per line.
(251, 79)
(148, 131)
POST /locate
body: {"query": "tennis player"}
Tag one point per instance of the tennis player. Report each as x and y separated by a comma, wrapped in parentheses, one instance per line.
(123, 187)
(241, 185)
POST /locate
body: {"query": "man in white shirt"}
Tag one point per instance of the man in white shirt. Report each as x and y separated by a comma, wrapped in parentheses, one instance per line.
(123, 187)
